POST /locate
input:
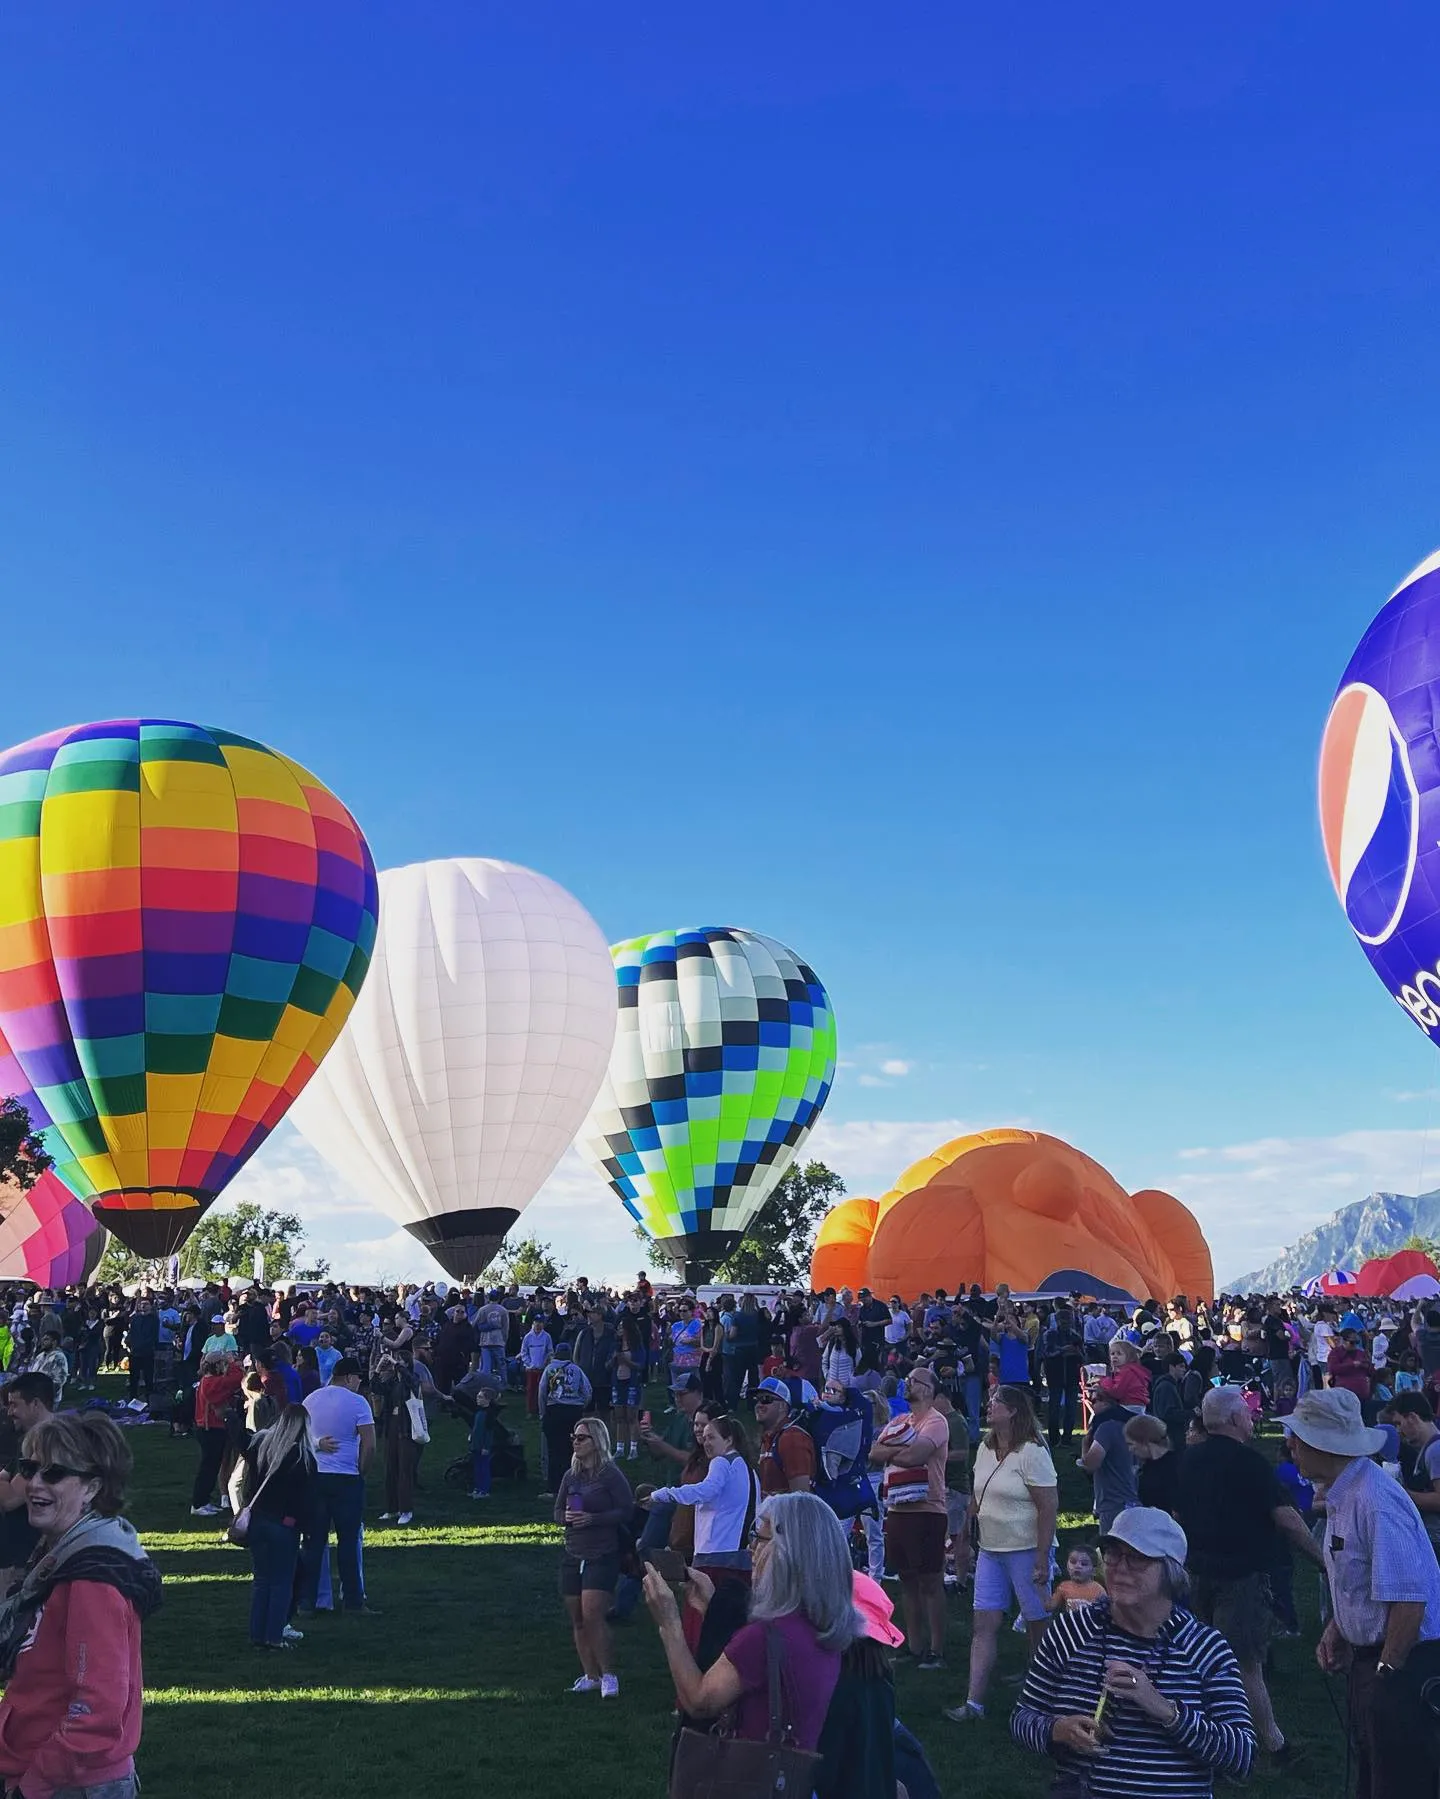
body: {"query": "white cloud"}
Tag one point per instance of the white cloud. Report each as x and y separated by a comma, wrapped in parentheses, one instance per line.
(894, 1066)
(870, 1080)
(575, 1210)
(1254, 1199)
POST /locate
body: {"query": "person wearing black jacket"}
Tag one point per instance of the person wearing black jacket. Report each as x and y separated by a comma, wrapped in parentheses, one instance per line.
(1062, 1350)
(280, 1489)
(142, 1339)
(595, 1349)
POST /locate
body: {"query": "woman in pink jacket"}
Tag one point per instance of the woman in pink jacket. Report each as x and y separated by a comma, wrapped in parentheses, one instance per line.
(70, 1632)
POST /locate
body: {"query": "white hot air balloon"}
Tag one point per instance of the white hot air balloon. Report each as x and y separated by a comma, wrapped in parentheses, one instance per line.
(480, 1037)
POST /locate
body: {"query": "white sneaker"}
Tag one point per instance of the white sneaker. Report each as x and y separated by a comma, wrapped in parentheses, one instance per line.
(204, 1511)
(586, 1685)
(609, 1686)
(385, 1517)
(291, 1635)
(479, 1495)
(406, 1518)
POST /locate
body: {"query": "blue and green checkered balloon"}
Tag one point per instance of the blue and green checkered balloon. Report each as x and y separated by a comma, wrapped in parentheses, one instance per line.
(724, 1055)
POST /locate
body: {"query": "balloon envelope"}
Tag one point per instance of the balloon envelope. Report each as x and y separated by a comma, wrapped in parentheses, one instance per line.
(185, 919)
(1380, 795)
(724, 1056)
(475, 1050)
(842, 1246)
(47, 1235)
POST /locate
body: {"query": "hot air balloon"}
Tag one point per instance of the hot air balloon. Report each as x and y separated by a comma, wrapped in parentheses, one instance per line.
(477, 1046)
(47, 1235)
(185, 919)
(1380, 794)
(724, 1055)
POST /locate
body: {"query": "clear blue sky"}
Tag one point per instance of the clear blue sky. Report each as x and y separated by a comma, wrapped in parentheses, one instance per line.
(906, 480)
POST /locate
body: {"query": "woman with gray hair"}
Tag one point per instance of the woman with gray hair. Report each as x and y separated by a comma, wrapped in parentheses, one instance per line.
(803, 1591)
(1132, 1695)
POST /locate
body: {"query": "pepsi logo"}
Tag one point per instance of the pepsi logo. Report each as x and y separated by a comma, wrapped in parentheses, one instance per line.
(1369, 811)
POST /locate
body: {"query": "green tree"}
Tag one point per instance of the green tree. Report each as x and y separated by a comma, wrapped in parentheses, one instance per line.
(526, 1261)
(23, 1157)
(775, 1250)
(225, 1243)
(1428, 1246)
(118, 1266)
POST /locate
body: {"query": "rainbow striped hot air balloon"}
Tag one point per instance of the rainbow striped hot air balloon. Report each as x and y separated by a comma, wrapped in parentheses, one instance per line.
(185, 919)
(47, 1235)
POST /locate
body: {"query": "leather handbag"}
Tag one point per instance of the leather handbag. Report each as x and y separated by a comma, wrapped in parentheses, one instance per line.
(720, 1765)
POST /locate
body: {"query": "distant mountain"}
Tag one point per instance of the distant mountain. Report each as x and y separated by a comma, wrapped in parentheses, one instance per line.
(1376, 1226)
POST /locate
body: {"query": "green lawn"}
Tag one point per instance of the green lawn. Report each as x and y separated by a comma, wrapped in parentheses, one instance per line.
(473, 1649)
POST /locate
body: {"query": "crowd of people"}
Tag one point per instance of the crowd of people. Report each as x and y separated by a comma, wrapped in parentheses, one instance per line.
(814, 1447)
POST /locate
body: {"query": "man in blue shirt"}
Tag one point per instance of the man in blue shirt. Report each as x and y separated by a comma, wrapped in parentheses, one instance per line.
(1385, 1588)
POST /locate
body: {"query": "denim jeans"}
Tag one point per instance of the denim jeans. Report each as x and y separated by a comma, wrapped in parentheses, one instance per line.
(339, 1501)
(972, 1404)
(274, 1549)
(125, 1788)
(655, 1535)
(480, 1466)
(492, 1361)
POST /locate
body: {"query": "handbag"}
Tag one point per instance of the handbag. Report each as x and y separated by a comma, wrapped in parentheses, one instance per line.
(238, 1528)
(419, 1424)
(720, 1765)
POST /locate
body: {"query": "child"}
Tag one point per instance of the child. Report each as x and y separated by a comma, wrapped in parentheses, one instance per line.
(480, 1443)
(1081, 1585)
(1408, 1378)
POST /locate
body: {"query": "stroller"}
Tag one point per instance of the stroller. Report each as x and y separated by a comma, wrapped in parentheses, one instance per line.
(507, 1452)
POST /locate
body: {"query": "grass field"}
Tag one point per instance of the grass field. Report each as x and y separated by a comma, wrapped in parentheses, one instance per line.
(463, 1677)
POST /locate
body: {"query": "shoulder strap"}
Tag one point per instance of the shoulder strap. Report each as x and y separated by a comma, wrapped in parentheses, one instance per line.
(781, 1731)
(750, 1504)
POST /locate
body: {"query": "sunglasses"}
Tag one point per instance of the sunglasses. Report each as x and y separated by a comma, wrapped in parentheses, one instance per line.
(581, 1436)
(52, 1473)
(1119, 1555)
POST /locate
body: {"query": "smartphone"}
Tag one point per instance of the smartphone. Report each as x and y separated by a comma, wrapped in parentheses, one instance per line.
(669, 1564)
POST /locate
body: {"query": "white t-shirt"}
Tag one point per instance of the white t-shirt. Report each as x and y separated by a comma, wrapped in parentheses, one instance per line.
(1322, 1340)
(338, 1412)
(898, 1329)
(1008, 1519)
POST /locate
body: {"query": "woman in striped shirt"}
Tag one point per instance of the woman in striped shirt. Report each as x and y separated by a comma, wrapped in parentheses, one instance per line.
(1133, 1695)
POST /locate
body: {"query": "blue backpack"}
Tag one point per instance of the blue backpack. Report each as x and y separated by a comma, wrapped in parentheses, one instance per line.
(842, 1436)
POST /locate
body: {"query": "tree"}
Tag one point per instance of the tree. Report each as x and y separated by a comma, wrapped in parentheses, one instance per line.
(1428, 1246)
(775, 1250)
(225, 1243)
(23, 1157)
(528, 1262)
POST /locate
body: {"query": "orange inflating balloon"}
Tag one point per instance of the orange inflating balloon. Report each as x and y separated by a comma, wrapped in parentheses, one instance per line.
(1182, 1240)
(1029, 1210)
(842, 1246)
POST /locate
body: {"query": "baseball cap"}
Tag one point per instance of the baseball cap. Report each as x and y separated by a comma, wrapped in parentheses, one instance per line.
(777, 1387)
(219, 1318)
(1149, 1530)
(686, 1383)
(877, 1611)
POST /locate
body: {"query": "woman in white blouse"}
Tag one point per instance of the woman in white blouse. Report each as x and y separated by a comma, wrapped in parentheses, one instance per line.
(724, 1499)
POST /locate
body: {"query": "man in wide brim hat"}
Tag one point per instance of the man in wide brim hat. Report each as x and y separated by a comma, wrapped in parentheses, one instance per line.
(1385, 1587)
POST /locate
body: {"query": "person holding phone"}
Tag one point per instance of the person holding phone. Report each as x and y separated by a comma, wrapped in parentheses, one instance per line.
(594, 1502)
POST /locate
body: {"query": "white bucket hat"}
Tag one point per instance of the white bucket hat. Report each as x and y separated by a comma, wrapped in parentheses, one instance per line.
(1330, 1421)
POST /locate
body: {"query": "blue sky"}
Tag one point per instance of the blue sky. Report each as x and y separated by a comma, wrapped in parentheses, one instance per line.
(905, 484)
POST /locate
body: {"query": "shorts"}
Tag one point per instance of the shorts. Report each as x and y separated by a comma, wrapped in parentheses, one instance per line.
(595, 1574)
(626, 1393)
(956, 1506)
(999, 1573)
(1241, 1610)
(915, 1541)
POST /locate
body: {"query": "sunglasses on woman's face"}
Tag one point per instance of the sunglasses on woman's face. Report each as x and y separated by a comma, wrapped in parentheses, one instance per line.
(52, 1473)
(580, 1436)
